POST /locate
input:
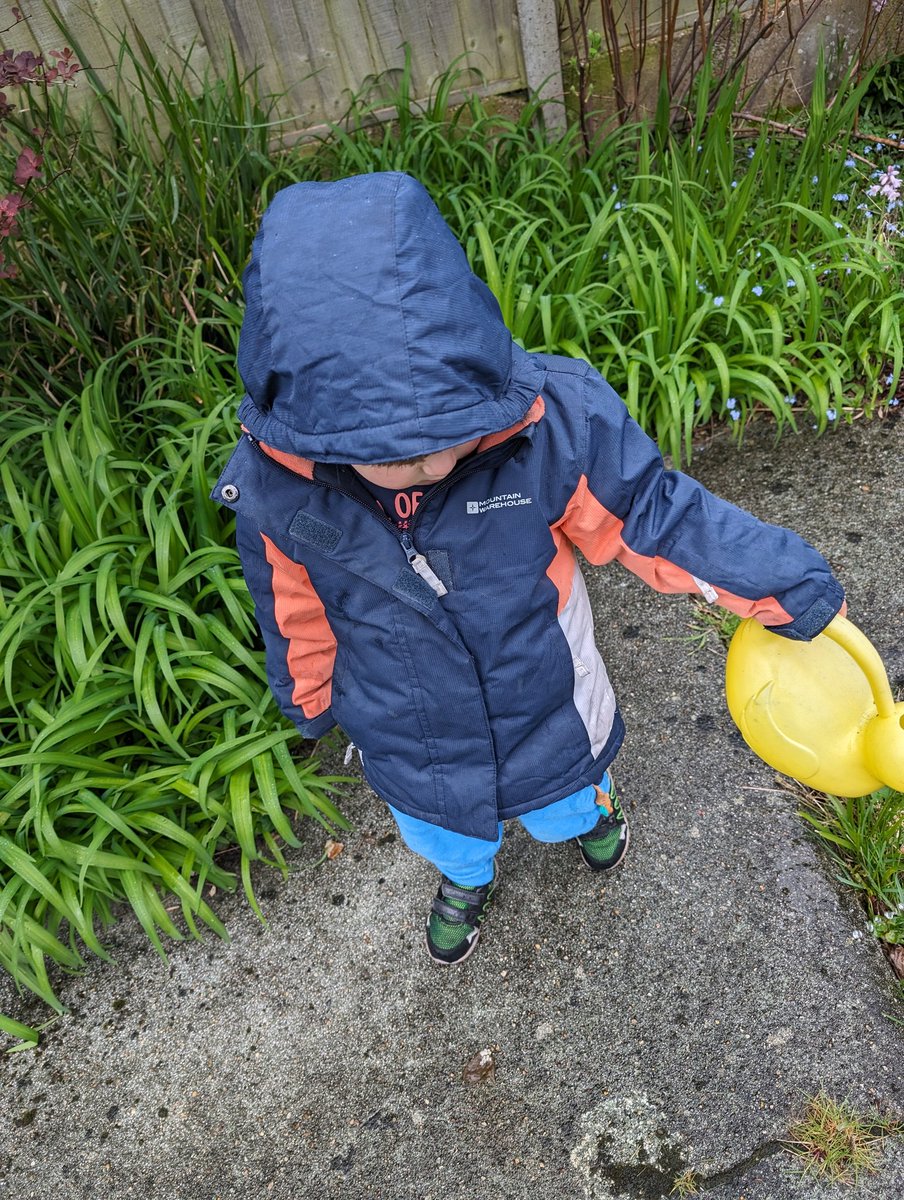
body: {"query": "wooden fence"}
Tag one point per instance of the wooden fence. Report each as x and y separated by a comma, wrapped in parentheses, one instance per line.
(313, 53)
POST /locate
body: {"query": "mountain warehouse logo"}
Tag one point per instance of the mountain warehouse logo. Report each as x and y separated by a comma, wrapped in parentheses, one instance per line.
(503, 500)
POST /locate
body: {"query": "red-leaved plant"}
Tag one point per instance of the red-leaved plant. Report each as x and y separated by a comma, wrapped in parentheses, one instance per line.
(24, 70)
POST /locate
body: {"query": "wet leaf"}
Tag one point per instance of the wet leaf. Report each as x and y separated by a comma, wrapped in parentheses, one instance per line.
(480, 1068)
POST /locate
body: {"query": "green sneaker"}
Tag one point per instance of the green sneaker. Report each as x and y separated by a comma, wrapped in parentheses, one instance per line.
(607, 842)
(457, 912)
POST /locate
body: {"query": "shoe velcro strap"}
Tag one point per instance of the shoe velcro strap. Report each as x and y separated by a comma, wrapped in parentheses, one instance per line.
(601, 829)
(469, 896)
(457, 916)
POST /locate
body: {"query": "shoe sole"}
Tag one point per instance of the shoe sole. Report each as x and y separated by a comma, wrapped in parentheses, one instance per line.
(618, 862)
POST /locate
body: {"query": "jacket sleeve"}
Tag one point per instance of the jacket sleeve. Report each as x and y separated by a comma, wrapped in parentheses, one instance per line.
(679, 537)
(300, 646)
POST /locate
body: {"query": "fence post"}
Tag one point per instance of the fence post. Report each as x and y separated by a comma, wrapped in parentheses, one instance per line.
(543, 60)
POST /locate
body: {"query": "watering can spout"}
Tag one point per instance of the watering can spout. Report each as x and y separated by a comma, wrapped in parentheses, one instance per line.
(821, 711)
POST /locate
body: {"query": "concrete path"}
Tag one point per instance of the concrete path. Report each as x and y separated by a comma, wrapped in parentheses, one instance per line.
(672, 1018)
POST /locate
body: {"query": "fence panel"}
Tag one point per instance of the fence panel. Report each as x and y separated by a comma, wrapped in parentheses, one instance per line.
(313, 53)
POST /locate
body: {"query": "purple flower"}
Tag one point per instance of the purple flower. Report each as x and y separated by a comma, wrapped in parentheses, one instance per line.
(841, 196)
(790, 283)
(718, 301)
(757, 290)
(889, 186)
(731, 402)
(735, 416)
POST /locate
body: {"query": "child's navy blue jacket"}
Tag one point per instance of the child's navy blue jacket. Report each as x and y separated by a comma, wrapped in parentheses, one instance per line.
(458, 656)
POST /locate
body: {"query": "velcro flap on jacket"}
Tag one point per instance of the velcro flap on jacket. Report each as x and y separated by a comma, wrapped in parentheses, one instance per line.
(314, 532)
(413, 589)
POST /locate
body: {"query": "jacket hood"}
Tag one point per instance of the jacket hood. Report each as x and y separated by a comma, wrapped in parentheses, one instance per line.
(367, 338)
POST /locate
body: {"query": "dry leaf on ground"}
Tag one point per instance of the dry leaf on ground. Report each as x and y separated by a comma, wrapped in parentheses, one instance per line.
(480, 1068)
(896, 958)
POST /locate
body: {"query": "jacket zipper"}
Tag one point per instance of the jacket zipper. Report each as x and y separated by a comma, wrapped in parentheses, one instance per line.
(416, 561)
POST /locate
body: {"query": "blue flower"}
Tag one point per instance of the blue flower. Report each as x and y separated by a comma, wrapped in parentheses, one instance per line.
(815, 179)
(735, 416)
(789, 399)
(831, 414)
(731, 402)
(734, 183)
(718, 301)
(757, 290)
(894, 403)
(837, 224)
(841, 196)
(849, 162)
(750, 152)
(790, 283)
(889, 379)
(892, 228)
(617, 205)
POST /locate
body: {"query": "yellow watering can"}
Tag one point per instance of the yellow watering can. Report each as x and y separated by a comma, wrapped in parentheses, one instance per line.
(820, 711)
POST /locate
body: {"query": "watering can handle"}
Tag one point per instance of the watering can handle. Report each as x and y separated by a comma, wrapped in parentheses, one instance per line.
(866, 656)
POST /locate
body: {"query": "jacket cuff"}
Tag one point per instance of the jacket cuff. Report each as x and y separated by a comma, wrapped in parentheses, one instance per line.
(316, 727)
(812, 622)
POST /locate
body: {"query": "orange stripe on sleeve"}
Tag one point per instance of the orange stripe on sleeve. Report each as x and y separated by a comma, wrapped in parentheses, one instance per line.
(301, 619)
(597, 533)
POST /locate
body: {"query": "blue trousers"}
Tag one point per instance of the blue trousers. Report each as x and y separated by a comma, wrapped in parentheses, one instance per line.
(469, 860)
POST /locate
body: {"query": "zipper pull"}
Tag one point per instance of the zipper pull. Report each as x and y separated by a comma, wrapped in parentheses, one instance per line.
(420, 565)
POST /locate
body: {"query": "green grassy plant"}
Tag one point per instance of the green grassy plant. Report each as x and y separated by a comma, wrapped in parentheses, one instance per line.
(138, 737)
(833, 1142)
(710, 276)
(709, 620)
(150, 198)
(865, 836)
(686, 1184)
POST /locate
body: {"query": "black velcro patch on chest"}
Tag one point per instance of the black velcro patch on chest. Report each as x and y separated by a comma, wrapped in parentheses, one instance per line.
(314, 532)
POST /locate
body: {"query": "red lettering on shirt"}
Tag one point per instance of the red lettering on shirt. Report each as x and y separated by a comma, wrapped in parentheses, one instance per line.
(406, 505)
